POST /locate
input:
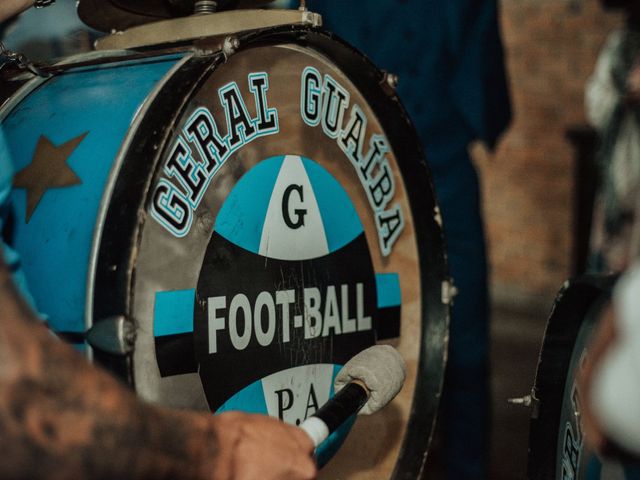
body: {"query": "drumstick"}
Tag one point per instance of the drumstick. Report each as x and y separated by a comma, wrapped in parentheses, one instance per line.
(367, 382)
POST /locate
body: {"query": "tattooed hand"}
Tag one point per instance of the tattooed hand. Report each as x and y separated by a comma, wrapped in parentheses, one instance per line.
(61, 418)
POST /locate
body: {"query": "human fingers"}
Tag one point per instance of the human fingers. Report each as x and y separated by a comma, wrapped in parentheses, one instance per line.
(263, 447)
(303, 438)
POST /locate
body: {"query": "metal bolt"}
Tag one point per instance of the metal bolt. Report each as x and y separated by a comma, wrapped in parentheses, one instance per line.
(230, 46)
(437, 216)
(129, 334)
(392, 79)
(448, 292)
(524, 401)
(204, 7)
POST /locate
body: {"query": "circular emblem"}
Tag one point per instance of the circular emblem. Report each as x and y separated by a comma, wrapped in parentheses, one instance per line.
(274, 294)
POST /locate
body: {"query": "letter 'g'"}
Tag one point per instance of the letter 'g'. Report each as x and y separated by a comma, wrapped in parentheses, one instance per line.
(299, 212)
(171, 208)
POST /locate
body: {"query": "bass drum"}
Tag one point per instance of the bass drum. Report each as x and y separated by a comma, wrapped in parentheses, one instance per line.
(556, 447)
(230, 227)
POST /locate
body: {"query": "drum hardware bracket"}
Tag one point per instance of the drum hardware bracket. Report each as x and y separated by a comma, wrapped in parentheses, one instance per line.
(202, 27)
(389, 83)
(437, 216)
(391, 80)
(449, 291)
(21, 61)
(203, 52)
(229, 47)
(310, 18)
(115, 335)
(528, 401)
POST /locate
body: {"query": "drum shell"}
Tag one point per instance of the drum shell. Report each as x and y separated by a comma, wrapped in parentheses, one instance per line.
(95, 106)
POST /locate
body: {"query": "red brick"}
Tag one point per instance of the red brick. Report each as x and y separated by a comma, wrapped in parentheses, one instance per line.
(528, 182)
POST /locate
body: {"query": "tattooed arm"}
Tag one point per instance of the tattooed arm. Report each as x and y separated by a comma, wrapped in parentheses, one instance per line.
(9, 8)
(62, 418)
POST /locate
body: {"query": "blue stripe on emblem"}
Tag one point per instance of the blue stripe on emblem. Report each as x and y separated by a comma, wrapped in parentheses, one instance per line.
(339, 217)
(173, 312)
(388, 290)
(250, 399)
(242, 215)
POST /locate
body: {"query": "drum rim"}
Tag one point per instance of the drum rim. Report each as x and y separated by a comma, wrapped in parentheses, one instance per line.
(111, 180)
(557, 351)
(115, 252)
(416, 176)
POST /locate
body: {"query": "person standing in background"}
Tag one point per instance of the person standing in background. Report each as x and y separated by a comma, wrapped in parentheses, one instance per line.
(449, 58)
(609, 380)
(612, 103)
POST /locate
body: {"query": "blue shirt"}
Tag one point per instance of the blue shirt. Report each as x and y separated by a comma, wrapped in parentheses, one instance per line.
(11, 258)
(449, 58)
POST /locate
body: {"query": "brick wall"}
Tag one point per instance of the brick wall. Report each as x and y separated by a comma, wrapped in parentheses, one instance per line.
(551, 48)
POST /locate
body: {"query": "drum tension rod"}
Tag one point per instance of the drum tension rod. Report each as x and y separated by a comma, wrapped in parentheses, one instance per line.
(204, 7)
(21, 61)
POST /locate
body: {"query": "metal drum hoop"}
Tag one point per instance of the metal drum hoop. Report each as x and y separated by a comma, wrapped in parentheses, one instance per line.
(568, 328)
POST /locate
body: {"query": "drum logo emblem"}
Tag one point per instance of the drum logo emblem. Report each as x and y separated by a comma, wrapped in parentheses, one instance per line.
(287, 291)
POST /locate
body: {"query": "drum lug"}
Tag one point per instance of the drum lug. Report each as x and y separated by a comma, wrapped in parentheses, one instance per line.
(449, 292)
(389, 82)
(115, 335)
(310, 18)
(437, 216)
(230, 46)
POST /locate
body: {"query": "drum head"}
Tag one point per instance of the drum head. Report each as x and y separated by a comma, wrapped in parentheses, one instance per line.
(288, 223)
(557, 416)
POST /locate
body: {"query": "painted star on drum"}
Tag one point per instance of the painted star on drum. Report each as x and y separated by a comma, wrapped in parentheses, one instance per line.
(48, 169)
